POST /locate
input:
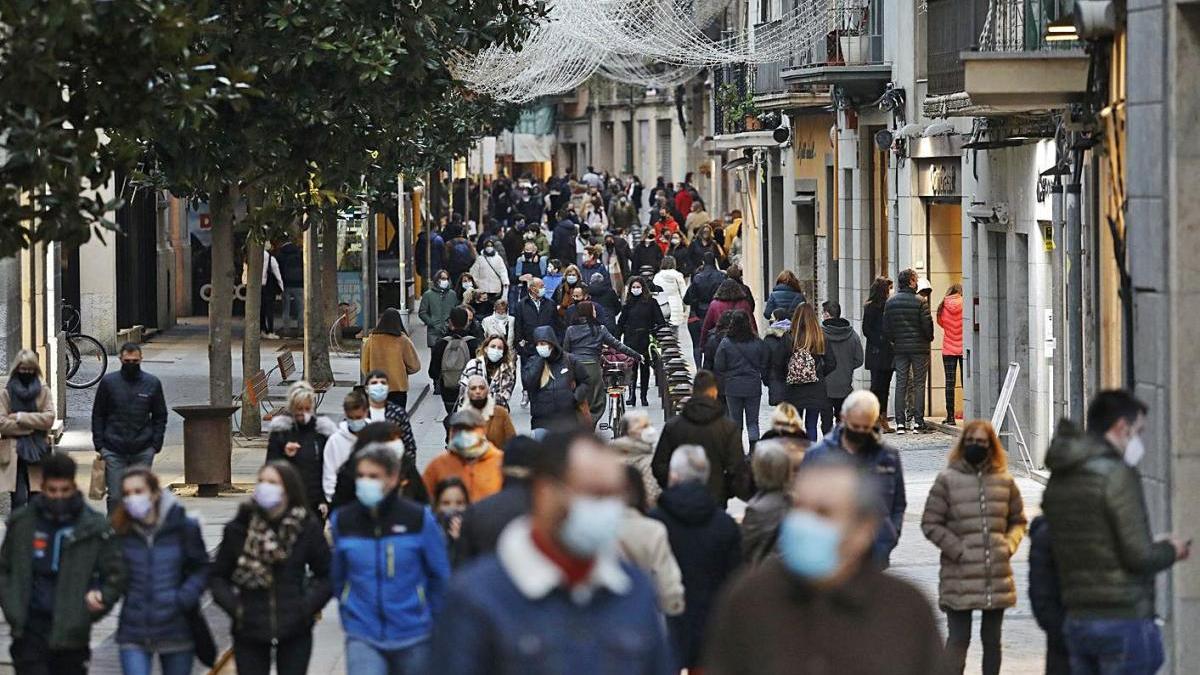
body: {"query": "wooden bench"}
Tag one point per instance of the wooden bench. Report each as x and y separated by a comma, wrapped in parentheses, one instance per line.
(258, 393)
(286, 367)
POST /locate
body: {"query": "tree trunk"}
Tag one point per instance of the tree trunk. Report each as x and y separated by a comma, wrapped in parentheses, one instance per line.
(220, 306)
(316, 334)
(329, 263)
(252, 337)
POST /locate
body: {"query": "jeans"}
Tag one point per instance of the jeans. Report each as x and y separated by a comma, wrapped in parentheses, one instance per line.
(1114, 646)
(266, 312)
(31, 655)
(115, 465)
(958, 624)
(293, 299)
(831, 415)
(951, 364)
(291, 656)
(911, 371)
(881, 385)
(694, 331)
(364, 659)
(812, 418)
(137, 661)
(747, 407)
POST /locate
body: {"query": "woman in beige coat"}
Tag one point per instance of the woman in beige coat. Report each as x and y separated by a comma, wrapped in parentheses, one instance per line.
(26, 416)
(975, 515)
(389, 349)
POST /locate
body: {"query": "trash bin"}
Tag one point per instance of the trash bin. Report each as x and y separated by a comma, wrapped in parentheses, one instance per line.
(207, 446)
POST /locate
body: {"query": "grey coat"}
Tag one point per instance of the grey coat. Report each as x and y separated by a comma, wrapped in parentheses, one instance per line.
(846, 345)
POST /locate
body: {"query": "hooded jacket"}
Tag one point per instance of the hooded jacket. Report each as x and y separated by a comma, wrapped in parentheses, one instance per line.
(673, 287)
(703, 422)
(481, 475)
(309, 460)
(167, 569)
(564, 389)
(977, 519)
(730, 295)
(777, 333)
(843, 341)
(783, 297)
(707, 545)
(1103, 544)
(610, 303)
(338, 449)
(907, 324)
(950, 318)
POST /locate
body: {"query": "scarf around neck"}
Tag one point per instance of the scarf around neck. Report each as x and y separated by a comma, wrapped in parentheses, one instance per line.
(21, 397)
(265, 547)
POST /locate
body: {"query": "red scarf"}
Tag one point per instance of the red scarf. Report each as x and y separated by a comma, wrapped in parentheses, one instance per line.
(576, 570)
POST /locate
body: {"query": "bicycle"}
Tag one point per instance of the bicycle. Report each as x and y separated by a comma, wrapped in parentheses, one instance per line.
(87, 360)
(616, 369)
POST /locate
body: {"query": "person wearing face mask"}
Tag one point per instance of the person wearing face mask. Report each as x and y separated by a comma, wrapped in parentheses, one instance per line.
(271, 575)
(530, 264)
(678, 250)
(450, 356)
(976, 518)
(167, 564)
(387, 610)
(617, 256)
(585, 340)
(646, 253)
(298, 437)
(26, 417)
(557, 383)
(60, 572)
(820, 606)
(1106, 554)
(490, 274)
(532, 312)
(706, 542)
(483, 521)
(639, 318)
(391, 350)
(635, 444)
(704, 243)
(388, 434)
(664, 229)
(498, 424)
(496, 364)
(556, 585)
(857, 437)
(451, 501)
(572, 279)
(381, 408)
(500, 323)
(469, 455)
(593, 264)
(129, 419)
(436, 304)
(553, 278)
(340, 445)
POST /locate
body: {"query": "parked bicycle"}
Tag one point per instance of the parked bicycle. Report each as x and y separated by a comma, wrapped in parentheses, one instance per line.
(87, 361)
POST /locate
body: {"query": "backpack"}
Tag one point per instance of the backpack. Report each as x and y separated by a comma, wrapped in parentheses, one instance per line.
(454, 360)
(460, 254)
(802, 367)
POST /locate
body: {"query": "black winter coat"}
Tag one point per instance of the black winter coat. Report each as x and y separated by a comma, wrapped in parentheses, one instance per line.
(639, 318)
(707, 545)
(528, 317)
(560, 397)
(291, 265)
(703, 422)
(879, 350)
(700, 293)
(562, 244)
(300, 590)
(310, 459)
(645, 256)
(483, 521)
(684, 262)
(167, 574)
(129, 416)
(604, 295)
(907, 323)
(741, 365)
(1045, 596)
(813, 395)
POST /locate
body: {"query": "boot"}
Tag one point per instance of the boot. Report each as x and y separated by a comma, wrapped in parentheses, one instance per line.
(884, 426)
(632, 398)
(949, 419)
(645, 402)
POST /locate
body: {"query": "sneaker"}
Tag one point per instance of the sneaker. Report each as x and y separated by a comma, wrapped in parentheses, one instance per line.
(524, 399)
(920, 429)
(949, 421)
(900, 430)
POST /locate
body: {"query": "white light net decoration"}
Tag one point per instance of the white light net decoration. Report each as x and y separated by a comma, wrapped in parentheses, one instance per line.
(655, 43)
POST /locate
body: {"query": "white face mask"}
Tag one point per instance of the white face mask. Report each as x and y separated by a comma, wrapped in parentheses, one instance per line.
(468, 285)
(636, 290)
(649, 435)
(1135, 450)
(443, 284)
(544, 351)
(494, 355)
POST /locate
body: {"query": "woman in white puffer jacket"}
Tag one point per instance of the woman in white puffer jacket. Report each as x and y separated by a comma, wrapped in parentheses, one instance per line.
(672, 286)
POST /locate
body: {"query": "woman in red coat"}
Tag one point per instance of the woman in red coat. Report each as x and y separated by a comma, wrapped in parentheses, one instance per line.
(664, 228)
(950, 318)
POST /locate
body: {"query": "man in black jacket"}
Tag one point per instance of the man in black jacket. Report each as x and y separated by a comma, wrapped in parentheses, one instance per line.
(703, 422)
(129, 420)
(908, 327)
(705, 281)
(291, 268)
(484, 520)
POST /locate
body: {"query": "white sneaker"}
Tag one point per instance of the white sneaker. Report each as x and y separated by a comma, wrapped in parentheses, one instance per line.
(900, 431)
(524, 399)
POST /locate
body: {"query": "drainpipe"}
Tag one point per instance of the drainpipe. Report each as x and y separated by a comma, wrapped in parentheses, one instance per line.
(1058, 301)
(1074, 261)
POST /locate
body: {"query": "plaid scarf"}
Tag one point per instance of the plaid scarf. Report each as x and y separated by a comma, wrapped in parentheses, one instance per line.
(265, 547)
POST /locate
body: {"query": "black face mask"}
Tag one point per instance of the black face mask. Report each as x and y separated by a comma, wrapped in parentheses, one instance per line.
(26, 378)
(865, 441)
(529, 256)
(63, 509)
(479, 404)
(130, 371)
(975, 453)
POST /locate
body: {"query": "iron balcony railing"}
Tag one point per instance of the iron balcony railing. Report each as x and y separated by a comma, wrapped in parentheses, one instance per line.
(732, 87)
(844, 32)
(984, 26)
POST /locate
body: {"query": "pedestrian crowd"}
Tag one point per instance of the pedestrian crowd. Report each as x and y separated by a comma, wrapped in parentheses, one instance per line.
(549, 550)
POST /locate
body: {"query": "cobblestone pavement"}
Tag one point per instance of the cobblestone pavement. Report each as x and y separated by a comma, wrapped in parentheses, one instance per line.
(178, 358)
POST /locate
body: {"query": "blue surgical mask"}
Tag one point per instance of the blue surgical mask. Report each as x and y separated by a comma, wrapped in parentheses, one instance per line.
(268, 495)
(544, 351)
(369, 491)
(377, 391)
(809, 545)
(539, 292)
(356, 426)
(592, 525)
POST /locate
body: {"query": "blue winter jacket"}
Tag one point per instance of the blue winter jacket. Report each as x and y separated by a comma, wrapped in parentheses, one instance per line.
(167, 573)
(884, 464)
(783, 297)
(389, 570)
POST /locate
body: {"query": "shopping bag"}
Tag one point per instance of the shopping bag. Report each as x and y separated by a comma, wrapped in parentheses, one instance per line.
(98, 487)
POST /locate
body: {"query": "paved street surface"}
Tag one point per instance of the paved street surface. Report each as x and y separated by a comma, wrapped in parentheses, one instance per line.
(178, 357)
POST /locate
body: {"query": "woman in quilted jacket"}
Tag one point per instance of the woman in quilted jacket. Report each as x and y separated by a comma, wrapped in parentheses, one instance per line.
(975, 515)
(950, 318)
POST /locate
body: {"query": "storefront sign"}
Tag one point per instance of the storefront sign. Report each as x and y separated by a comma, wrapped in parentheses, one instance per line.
(939, 179)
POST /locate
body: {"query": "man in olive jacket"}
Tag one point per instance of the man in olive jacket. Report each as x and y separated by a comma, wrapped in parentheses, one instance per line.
(908, 327)
(1102, 544)
(60, 571)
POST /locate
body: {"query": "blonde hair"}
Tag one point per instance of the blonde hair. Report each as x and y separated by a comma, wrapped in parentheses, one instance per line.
(785, 419)
(301, 392)
(27, 357)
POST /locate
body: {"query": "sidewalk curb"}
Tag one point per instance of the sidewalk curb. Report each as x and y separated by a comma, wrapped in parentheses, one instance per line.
(420, 399)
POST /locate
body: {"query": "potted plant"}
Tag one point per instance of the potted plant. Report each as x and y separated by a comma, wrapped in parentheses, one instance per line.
(853, 40)
(738, 108)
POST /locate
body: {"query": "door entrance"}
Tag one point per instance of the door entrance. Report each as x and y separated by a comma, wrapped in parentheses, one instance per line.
(943, 255)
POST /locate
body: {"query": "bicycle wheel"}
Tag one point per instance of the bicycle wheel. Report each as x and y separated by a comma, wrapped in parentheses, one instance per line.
(72, 359)
(618, 411)
(92, 361)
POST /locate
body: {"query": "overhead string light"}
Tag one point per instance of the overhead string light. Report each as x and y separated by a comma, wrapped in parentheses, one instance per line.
(652, 43)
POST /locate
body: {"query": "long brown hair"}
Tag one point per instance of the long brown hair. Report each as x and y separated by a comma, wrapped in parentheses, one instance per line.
(806, 330)
(997, 456)
(955, 289)
(122, 522)
(788, 278)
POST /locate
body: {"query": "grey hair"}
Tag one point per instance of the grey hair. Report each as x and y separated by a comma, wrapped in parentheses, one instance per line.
(861, 399)
(301, 392)
(668, 262)
(380, 454)
(772, 465)
(634, 419)
(471, 380)
(689, 464)
(28, 358)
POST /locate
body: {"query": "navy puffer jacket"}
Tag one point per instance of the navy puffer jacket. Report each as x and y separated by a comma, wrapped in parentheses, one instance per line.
(783, 297)
(167, 572)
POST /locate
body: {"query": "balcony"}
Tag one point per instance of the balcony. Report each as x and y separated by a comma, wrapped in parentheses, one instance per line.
(1005, 65)
(845, 49)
